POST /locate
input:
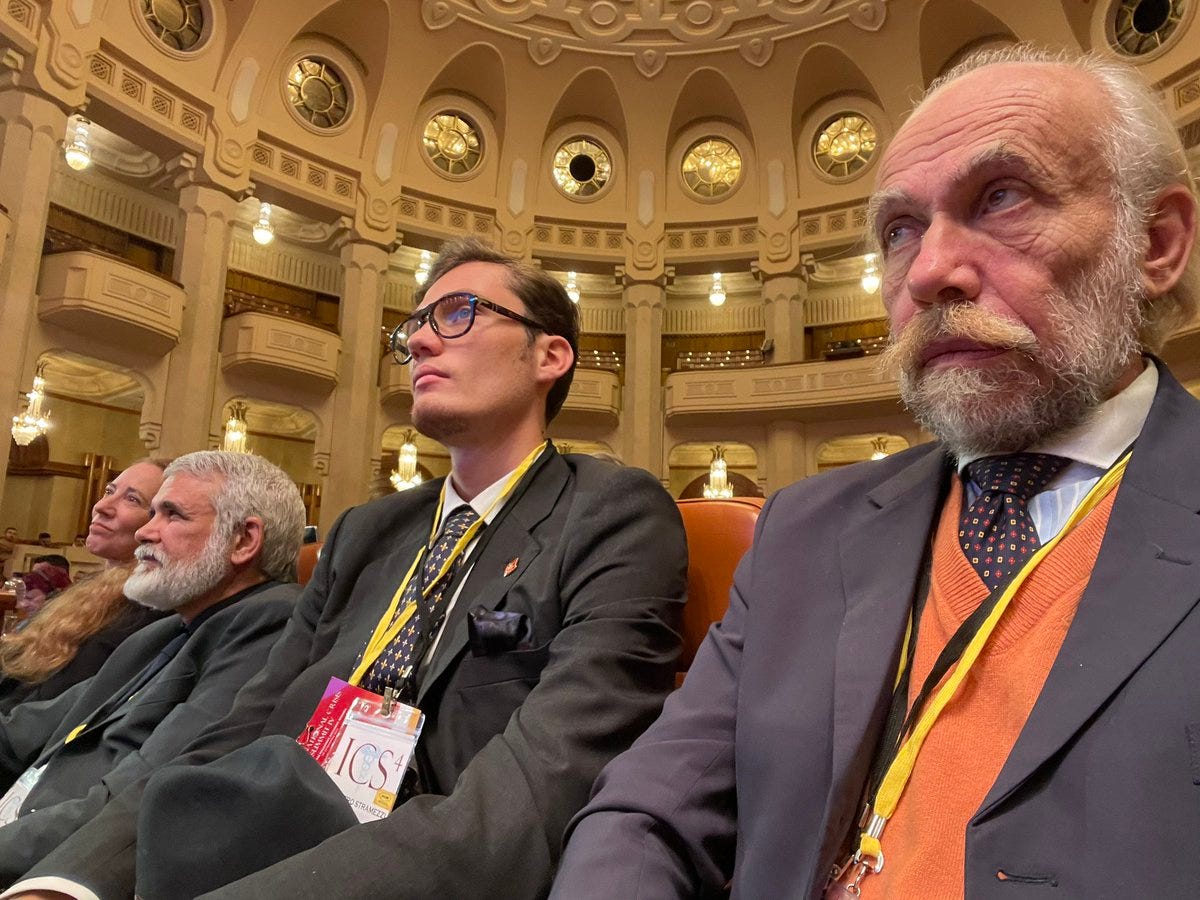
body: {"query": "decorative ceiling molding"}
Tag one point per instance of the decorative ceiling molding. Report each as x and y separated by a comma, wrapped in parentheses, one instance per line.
(70, 375)
(648, 32)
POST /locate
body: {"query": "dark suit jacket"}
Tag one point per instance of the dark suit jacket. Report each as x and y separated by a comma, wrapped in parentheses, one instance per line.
(512, 740)
(193, 691)
(755, 770)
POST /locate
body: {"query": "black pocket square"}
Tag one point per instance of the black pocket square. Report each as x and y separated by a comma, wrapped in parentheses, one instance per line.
(497, 631)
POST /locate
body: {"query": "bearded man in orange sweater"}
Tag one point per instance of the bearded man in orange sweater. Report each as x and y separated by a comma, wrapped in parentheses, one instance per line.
(971, 669)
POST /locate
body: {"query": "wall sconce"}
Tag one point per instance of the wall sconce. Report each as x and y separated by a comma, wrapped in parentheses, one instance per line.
(422, 271)
(405, 475)
(34, 421)
(870, 276)
(262, 231)
(879, 446)
(716, 294)
(235, 429)
(76, 151)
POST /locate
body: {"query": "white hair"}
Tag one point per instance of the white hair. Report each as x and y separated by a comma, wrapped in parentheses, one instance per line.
(1143, 151)
(251, 486)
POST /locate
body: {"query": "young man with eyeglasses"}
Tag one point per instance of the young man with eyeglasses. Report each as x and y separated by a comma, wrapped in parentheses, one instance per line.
(541, 647)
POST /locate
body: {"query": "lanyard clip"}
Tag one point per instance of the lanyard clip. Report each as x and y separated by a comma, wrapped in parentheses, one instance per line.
(389, 697)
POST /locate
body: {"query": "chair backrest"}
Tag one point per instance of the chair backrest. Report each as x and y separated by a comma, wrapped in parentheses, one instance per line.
(718, 533)
(306, 561)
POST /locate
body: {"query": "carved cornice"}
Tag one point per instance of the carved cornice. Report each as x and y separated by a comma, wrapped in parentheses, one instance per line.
(649, 32)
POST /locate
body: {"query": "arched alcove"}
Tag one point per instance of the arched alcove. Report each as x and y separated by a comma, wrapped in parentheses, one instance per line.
(948, 27)
(853, 448)
(689, 468)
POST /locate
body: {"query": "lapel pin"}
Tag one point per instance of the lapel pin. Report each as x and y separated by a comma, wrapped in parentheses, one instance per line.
(512, 566)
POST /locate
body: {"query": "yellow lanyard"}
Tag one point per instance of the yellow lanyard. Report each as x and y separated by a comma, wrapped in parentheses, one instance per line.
(391, 624)
(891, 787)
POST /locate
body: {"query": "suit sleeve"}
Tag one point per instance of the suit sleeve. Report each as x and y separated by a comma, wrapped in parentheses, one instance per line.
(25, 730)
(662, 820)
(621, 583)
(234, 656)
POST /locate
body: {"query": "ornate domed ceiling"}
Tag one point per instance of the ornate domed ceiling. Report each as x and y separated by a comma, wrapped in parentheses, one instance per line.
(650, 31)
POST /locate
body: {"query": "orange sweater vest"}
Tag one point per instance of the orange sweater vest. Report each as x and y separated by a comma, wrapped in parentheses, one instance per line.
(924, 843)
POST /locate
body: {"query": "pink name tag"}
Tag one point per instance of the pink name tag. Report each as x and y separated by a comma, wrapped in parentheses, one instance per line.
(365, 751)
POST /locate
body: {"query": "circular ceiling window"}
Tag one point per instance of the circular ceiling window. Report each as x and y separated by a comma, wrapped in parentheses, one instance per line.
(452, 143)
(1139, 27)
(711, 167)
(844, 145)
(179, 24)
(582, 168)
(318, 93)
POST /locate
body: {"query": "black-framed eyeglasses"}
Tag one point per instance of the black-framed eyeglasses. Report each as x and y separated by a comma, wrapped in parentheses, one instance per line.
(450, 317)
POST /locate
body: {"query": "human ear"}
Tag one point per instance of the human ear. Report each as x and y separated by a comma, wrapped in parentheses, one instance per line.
(555, 357)
(1171, 233)
(248, 544)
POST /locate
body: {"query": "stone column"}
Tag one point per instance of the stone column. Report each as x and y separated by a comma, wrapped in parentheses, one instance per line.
(31, 129)
(786, 457)
(201, 261)
(356, 397)
(642, 422)
(784, 298)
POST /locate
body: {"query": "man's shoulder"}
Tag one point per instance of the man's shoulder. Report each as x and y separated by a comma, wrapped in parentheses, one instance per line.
(273, 603)
(919, 467)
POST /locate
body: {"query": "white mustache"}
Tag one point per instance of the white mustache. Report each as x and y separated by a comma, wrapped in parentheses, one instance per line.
(144, 552)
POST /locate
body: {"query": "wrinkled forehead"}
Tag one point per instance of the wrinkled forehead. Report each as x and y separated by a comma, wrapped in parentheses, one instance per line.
(1051, 114)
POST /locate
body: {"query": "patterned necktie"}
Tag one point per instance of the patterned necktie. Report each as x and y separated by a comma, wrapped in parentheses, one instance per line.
(389, 668)
(996, 532)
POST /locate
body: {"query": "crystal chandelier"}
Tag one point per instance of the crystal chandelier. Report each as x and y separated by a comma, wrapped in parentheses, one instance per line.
(421, 275)
(235, 429)
(716, 294)
(76, 151)
(33, 421)
(405, 475)
(263, 231)
(572, 287)
(870, 276)
(717, 487)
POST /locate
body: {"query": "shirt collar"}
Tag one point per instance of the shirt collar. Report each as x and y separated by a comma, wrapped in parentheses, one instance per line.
(1107, 432)
(480, 504)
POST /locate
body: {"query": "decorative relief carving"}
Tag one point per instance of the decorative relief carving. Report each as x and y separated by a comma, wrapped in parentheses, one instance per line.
(150, 434)
(483, 224)
(320, 459)
(162, 104)
(141, 88)
(541, 234)
(1187, 93)
(101, 68)
(704, 389)
(458, 218)
(123, 289)
(132, 87)
(313, 175)
(23, 13)
(651, 31)
(408, 208)
(277, 339)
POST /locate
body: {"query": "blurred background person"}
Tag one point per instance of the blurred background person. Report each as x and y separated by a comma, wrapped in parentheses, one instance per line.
(72, 636)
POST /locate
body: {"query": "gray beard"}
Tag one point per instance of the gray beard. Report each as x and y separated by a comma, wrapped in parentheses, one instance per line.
(176, 582)
(1044, 387)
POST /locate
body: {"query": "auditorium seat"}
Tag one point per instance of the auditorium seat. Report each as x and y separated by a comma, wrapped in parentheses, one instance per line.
(718, 534)
(307, 560)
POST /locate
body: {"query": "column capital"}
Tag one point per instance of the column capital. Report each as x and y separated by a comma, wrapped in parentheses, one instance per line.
(627, 279)
(357, 253)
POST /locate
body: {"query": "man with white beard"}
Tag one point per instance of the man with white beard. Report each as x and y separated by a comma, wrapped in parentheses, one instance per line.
(218, 551)
(970, 669)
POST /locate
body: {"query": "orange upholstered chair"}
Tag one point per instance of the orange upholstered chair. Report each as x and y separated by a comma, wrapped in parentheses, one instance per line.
(718, 534)
(307, 560)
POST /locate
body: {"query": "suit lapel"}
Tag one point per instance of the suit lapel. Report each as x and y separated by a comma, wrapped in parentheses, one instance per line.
(896, 531)
(510, 538)
(1145, 581)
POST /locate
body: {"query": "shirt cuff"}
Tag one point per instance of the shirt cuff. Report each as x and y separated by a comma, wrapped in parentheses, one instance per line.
(51, 883)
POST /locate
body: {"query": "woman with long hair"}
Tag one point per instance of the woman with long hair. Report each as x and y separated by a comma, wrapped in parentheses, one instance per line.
(71, 637)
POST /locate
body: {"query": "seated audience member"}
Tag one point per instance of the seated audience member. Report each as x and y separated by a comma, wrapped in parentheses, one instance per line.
(534, 662)
(44, 539)
(1022, 593)
(43, 583)
(7, 544)
(69, 639)
(220, 545)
